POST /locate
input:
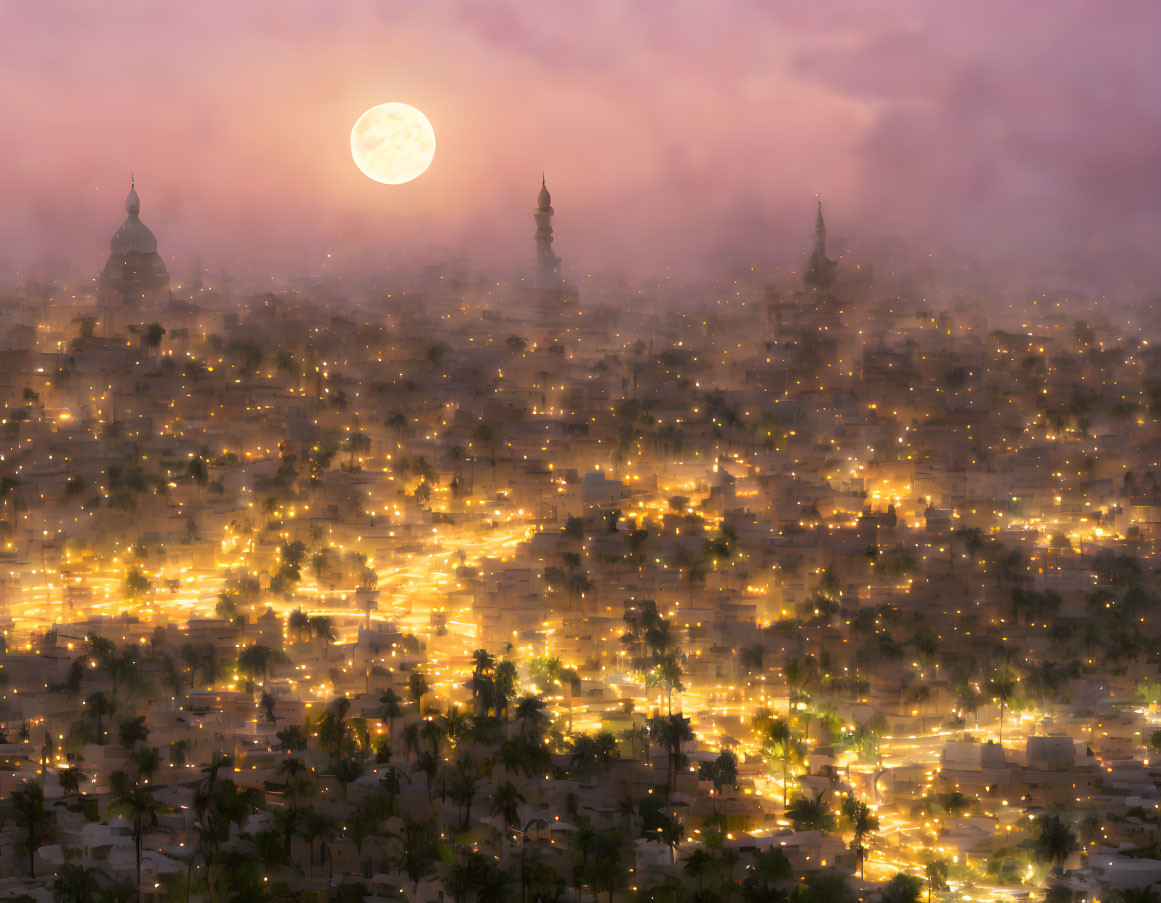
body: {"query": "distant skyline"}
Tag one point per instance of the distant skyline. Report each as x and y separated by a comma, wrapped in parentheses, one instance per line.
(673, 134)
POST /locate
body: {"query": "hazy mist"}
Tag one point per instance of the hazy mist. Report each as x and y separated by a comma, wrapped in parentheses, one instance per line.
(676, 136)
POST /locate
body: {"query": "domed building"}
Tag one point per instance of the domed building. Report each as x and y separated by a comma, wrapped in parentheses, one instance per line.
(135, 278)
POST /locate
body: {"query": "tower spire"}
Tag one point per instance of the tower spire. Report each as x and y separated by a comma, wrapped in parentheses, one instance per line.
(819, 229)
(820, 275)
(547, 263)
(132, 202)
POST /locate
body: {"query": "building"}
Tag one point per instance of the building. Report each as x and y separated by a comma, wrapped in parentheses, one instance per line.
(547, 274)
(552, 296)
(135, 279)
(820, 275)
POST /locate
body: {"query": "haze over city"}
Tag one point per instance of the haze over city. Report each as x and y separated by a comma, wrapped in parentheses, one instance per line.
(564, 453)
(688, 136)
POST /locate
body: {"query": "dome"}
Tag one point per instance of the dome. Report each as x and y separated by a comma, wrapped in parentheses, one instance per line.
(134, 236)
(544, 199)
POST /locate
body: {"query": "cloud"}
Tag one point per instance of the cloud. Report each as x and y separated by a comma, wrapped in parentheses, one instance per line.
(673, 133)
(1020, 133)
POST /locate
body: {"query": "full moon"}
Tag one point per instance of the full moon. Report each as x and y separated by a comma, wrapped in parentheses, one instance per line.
(392, 143)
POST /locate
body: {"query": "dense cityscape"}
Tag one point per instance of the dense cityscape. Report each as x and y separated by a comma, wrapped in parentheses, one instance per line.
(484, 591)
(602, 452)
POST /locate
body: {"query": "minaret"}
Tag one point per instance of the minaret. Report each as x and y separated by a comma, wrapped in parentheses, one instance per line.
(820, 275)
(547, 263)
(819, 230)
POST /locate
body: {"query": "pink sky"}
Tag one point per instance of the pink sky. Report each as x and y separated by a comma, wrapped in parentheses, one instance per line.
(673, 132)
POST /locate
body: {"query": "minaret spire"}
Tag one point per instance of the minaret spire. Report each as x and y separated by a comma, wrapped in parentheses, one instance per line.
(819, 229)
(547, 263)
(820, 275)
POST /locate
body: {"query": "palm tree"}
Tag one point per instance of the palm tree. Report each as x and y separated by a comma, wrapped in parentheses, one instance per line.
(811, 813)
(34, 820)
(267, 703)
(902, 888)
(8, 487)
(523, 756)
(294, 773)
(935, 871)
(99, 706)
(397, 420)
(365, 821)
(693, 567)
(70, 779)
(1003, 690)
(323, 628)
(862, 823)
(486, 436)
(505, 802)
(470, 875)
(531, 718)
(198, 470)
(667, 672)
(551, 672)
(503, 687)
(420, 852)
(331, 728)
(1056, 840)
(638, 537)
(255, 661)
(412, 739)
(347, 771)
(147, 761)
(153, 335)
(288, 822)
(392, 709)
(771, 867)
(269, 849)
(779, 742)
(298, 623)
(356, 444)
(670, 732)
(218, 762)
(138, 805)
(219, 805)
(798, 677)
(538, 881)
(972, 539)
(435, 353)
(461, 787)
(455, 724)
(697, 864)
(316, 826)
(132, 731)
(76, 884)
(660, 824)
(178, 751)
(970, 699)
(417, 688)
(598, 857)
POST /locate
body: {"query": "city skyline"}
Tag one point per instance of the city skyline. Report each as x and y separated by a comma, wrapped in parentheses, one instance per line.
(611, 452)
(1019, 139)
